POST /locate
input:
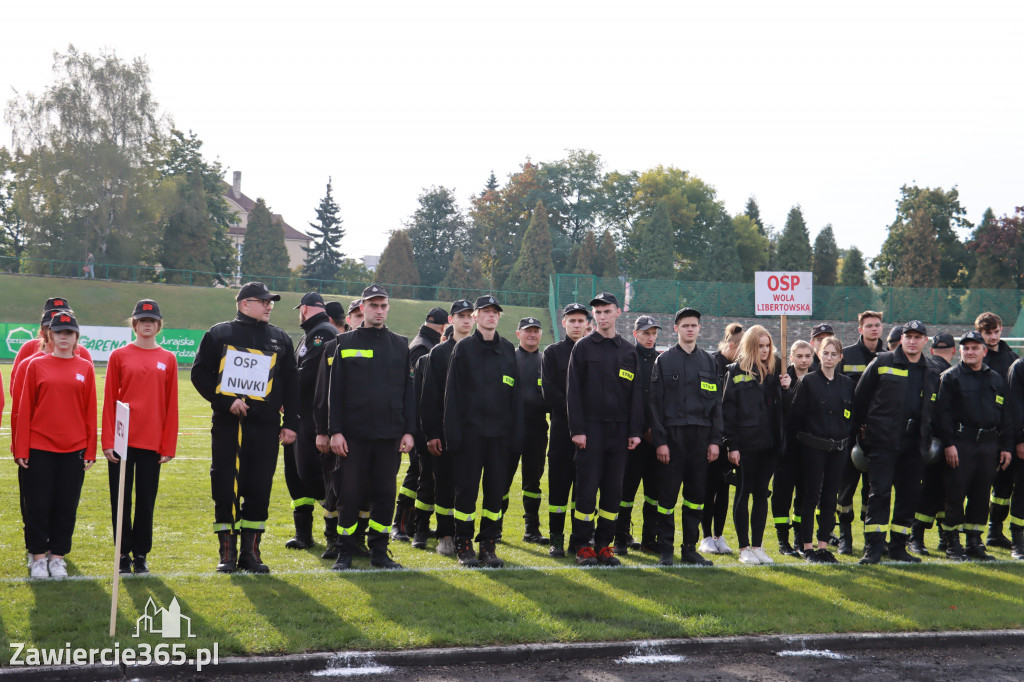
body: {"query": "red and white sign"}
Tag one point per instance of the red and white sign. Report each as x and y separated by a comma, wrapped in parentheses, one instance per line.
(782, 293)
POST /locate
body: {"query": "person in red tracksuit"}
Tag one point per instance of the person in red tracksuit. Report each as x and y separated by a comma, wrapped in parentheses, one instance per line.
(145, 376)
(55, 445)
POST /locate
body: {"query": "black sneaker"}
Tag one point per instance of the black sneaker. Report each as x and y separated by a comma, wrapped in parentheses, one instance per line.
(125, 564)
(344, 562)
(811, 556)
(825, 557)
(467, 557)
(139, 564)
(786, 548)
(689, 555)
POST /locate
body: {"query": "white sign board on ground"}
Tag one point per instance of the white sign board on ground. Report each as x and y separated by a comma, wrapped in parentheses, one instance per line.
(782, 293)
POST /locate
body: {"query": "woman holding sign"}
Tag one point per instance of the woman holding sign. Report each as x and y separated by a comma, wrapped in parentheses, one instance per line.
(54, 446)
(145, 376)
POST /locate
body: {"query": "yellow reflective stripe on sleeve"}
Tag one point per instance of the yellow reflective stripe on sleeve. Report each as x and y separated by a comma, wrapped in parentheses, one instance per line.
(895, 371)
(854, 368)
(379, 527)
(1014, 521)
(627, 375)
(708, 386)
(611, 516)
(999, 400)
(626, 505)
(506, 379)
(651, 501)
(797, 519)
(933, 396)
(778, 520)
(844, 508)
(356, 353)
(740, 378)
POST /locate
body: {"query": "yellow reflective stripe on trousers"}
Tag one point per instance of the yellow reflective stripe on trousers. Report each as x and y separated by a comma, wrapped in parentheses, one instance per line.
(221, 527)
(626, 504)
(443, 511)
(895, 371)
(876, 528)
(778, 520)
(424, 506)
(379, 527)
(923, 518)
(650, 501)
(1014, 521)
(553, 509)
(302, 502)
(493, 516)
(333, 514)
(663, 510)
(356, 353)
(1005, 501)
(893, 528)
(351, 530)
(692, 505)
(460, 516)
(842, 509)
(956, 528)
(532, 496)
(364, 513)
(611, 516)
(797, 519)
(505, 497)
(974, 526)
(580, 516)
(252, 525)
(411, 494)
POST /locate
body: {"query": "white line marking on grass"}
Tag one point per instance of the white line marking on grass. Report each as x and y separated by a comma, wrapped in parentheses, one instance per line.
(815, 653)
(350, 664)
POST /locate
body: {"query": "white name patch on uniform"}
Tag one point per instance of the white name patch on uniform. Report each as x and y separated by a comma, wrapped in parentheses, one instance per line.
(245, 372)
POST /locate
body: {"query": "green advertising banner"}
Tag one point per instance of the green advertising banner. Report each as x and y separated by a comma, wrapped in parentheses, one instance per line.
(101, 340)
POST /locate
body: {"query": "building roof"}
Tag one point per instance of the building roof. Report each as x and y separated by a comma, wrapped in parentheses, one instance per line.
(247, 204)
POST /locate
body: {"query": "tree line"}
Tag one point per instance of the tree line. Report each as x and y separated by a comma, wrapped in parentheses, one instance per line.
(94, 167)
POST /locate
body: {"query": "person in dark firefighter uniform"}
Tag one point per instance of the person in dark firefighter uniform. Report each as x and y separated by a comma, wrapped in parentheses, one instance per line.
(605, 418)
(431, 410)
(371, 419)
(303, 472)
(892, 408)
(247, 425)
(482, 428)
(974, 426)
(686, 432)
(1016, 408)
(561, 468)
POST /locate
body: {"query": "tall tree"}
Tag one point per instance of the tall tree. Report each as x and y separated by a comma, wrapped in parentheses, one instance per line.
(754, 213)
(437, 230)
(947, 216)
(608, 255)
(264, 253)
(721, 260)
(587, 257)
(499, 220)
(751, 246)
(852, 274)
(323, 255)
(87, 182)
(571, 190)
(397, 263)
(188, 235)
(655, 242)
(921, 256)
(995, 246)
(826, 258)
(12, 227)
(463, 275)
(794, 248)
(534, 267)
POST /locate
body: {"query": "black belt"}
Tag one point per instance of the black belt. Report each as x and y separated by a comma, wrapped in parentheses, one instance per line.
(826, 444)
(977, 435)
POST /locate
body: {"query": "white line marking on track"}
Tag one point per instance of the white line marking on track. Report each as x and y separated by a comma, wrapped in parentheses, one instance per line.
(814, 653)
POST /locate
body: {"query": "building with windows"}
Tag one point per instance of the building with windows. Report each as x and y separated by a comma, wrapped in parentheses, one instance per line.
(294, 240)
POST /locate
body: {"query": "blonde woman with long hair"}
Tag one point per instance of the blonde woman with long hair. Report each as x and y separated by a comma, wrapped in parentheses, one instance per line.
(752, 415)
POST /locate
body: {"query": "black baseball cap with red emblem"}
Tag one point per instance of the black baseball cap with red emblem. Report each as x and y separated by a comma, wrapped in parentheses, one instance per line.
(63, 321)
(147, 309)
(56, 303)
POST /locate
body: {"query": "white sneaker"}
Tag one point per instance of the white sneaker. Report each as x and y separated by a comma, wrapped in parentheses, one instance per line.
(723, 548)
(747, 556)
(762, 557)
(38, 569)
(58, 569)
(446, 546)
(707, 546)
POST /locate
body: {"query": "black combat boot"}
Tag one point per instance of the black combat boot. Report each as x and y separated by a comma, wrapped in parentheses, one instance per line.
(531, 532)
(975, 548)
(557, 545)
(1017, 533)
(954, 550)
(487, 557)
(916, 543)
(996, 515)
(249, 556)
(782, 532)
(688, 554)
(302, 516)
(898, 549)
(331, 538)
(845, 539)
(227, 543)
(872, 549)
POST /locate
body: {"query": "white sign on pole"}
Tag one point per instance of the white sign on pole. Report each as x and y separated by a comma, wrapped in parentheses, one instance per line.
(245, 373)
(121, 430)
(121, 450)
(782, 293)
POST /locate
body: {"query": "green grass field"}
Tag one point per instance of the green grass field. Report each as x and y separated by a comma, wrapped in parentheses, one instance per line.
(101, 303)
(303, 606)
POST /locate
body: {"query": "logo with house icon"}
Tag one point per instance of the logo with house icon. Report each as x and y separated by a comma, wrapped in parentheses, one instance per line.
(168, 623)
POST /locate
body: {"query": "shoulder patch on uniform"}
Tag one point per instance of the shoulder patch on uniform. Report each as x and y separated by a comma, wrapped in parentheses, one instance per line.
(318, 341)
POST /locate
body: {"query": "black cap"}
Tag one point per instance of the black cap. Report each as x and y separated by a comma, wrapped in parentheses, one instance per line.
(354, 305)
(487, 301)
(529, 322)
(972, 335)
(56, 303)
(645, 322)
(942, 340)
(916, 326)
(147, 308)
(605, 298)
(895, 333)
(819, 329)
(448, 332)
(374, 291)
(335, 311)
(437, 316)
(50, 313)
(312, 298)
(576, 308)
(460, 306)
(686, 312)
(63, 320)
(256, 290)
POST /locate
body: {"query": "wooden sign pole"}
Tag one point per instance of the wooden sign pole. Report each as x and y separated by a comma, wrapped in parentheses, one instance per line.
(784, 348)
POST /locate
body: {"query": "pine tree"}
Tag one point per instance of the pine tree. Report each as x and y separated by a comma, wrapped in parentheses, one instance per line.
(826, 258)
(533, 269)
(919, 263)
(608, 255)
(994, 245)
(323, 255)
(794, 248)
(722, 260)
(587, 257)
(437, 230)
(264, 253)
(657, 239)
(853, 269)
(397, 265)
(754, 213)
(464, 276)
(491, 186)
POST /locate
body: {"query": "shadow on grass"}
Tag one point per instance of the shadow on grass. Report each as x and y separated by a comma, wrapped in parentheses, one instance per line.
(69, 611)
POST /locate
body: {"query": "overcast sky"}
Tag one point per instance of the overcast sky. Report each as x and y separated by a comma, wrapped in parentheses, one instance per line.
(829, 105)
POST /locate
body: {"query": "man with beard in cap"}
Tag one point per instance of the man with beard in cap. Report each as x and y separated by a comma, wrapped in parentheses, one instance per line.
(482, 428)
(605, 407)
(561, 469)
(245, 369)
(431, 410)
(371, 419)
